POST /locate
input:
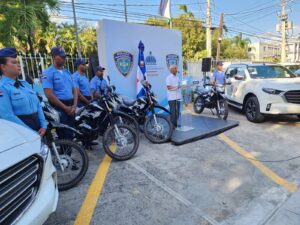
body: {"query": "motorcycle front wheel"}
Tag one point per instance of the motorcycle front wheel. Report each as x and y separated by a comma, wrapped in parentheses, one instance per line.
(120, 142)
(72, 164)
(158, 129)
(222, 112)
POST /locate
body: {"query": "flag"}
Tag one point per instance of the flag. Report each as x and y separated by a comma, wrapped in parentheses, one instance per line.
(165, 8)
(141, 72)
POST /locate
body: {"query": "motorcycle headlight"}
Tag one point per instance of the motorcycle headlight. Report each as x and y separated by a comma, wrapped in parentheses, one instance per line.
(44, 152)
(272, 91)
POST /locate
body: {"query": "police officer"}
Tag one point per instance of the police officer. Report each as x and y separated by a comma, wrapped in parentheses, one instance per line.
(218, 75)
(60, 91)
(19, 103)
(81, 82)
(98, 84)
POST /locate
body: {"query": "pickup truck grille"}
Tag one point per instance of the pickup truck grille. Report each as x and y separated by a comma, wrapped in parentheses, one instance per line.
(293, 96)
(19, 185)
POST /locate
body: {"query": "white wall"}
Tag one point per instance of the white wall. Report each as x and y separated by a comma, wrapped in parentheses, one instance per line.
(114, 36)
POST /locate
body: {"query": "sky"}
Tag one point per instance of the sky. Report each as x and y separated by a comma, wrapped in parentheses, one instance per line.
(252, 17)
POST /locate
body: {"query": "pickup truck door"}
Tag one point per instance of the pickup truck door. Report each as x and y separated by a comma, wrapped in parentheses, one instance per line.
(237, 84)
(229, 79)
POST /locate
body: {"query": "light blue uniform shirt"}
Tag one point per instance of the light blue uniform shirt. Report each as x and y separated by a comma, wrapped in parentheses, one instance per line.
(82, 83)
(96, 84)
(59, 81)
(19, 101)
(219, 77)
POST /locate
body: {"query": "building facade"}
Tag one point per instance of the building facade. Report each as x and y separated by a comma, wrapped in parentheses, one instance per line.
(264, 51)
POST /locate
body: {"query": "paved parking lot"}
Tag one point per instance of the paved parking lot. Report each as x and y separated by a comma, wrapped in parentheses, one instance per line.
(246, 176)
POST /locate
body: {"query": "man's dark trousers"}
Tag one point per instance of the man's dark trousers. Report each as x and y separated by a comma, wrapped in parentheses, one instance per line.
(175, 110)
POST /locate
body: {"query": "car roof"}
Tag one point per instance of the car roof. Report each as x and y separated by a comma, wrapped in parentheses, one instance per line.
(253, 64)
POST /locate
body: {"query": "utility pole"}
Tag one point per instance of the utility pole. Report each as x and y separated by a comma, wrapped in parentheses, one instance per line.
(283, 31)
(76, 30)
(220, 37)
(208, 29)
(125, 11)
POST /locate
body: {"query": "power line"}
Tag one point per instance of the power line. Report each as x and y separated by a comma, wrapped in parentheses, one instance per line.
(131, 5)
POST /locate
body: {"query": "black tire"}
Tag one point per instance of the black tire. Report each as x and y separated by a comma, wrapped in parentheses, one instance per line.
(127, 120)
(252, 110)
(158, 138)
(298, 117)
(65, 184)
(224, 113)
(132, 137)
(199, 105)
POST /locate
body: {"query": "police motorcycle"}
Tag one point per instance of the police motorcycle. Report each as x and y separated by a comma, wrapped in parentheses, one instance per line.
(157, 128)
(213, 98)
(69, 158)
(120, 141)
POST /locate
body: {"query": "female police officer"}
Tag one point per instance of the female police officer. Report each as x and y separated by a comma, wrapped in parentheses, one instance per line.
(18, 102)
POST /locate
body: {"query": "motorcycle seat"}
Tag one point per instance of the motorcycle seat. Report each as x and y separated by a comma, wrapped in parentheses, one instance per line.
(128, 102)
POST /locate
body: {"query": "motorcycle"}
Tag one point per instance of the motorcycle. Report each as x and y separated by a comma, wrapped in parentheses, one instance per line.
(69, 158)
(213, 99)
(120, 141)
(157, 128)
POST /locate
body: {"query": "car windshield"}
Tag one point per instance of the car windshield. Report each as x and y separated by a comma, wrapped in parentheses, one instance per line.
(269, 72)
(293, 68)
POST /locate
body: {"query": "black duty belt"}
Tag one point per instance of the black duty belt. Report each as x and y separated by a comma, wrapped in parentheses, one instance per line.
(68, 102)
(88, 97)
(31, 120)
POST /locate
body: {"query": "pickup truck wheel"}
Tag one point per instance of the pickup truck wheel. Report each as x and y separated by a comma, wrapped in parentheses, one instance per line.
(252, 110)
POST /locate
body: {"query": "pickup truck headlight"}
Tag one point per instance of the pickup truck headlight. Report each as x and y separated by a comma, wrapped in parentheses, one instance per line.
(272, 91)
(44, 151)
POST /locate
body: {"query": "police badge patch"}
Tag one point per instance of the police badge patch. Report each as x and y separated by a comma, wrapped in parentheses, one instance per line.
(172, 59)
(124, 62)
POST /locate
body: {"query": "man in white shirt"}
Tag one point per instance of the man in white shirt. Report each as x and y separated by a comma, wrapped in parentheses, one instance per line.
(174, 94)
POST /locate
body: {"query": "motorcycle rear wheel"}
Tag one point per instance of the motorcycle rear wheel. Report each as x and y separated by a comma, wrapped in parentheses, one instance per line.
(199, 105)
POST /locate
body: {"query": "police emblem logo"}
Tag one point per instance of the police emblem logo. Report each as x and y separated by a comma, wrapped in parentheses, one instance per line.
(172, 59)
(124, 62)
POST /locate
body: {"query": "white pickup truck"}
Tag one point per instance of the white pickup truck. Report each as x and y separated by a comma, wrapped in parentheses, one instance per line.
(263, 89)
(28, 182)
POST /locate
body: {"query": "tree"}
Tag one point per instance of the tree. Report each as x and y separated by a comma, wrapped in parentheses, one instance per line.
(193, 34)
(20, 19)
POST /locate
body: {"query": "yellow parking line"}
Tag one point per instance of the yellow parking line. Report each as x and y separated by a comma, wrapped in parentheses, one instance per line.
(86, 211)
(290, 124)
(265, 170)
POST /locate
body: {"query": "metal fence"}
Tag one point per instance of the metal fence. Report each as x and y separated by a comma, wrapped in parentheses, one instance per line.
(33, 66)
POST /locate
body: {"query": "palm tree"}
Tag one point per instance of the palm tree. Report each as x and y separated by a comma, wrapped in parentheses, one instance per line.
(20, 19)
(240, 42)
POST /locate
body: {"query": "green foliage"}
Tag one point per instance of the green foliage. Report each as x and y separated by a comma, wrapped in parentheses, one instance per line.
(194, 38)
(19, 20)
(25, 25)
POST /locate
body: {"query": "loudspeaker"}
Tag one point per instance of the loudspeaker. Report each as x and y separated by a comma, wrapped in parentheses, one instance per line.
(206, 64)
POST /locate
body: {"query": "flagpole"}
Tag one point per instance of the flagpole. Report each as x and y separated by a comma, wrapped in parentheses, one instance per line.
(171, 23)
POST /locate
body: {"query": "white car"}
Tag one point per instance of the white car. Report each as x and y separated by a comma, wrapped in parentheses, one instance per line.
(28, 182)
(261, 89)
